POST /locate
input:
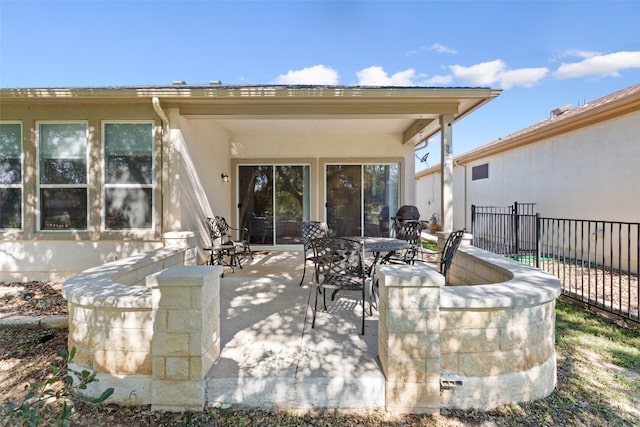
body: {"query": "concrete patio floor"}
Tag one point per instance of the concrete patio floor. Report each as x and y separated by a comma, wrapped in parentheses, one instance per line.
(270, 355)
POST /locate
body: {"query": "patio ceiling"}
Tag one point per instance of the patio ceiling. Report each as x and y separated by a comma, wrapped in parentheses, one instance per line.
(412, 112)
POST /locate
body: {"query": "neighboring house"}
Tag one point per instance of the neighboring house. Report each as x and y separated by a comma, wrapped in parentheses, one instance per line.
(581, 163)
(89, 175)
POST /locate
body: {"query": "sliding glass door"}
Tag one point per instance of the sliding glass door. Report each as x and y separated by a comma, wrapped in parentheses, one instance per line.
(273, 200)
(361, 198)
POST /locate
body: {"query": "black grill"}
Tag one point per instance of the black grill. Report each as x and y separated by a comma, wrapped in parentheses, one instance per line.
(407, 213)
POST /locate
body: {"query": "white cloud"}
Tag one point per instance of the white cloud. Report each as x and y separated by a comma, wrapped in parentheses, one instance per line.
(496, 73)
(600, 65)
(316, 75)
(526, 77)
(439, 81)
(578, 53)
(376, 76)
(442, 49)
(483, 74)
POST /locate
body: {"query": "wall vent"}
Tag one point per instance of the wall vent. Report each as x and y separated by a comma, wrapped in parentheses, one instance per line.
(561, 110)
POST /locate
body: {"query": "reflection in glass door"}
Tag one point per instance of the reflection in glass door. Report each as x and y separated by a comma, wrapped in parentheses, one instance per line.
(361, 198)
(273, 201)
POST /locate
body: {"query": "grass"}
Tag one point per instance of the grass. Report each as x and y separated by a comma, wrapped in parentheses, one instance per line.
(430, 245)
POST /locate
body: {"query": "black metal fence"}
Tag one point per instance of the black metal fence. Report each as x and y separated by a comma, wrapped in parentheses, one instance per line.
(596, 261)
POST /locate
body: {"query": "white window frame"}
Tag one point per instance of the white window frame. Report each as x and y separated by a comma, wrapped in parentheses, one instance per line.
(40, 186)
(21, 184)
(106, 186)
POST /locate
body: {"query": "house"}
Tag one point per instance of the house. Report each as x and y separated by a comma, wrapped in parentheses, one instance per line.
(581, 163)
(90, 175)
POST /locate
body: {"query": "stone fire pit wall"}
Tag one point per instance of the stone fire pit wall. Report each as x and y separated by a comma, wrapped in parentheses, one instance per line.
(138, 324)
(484, 340)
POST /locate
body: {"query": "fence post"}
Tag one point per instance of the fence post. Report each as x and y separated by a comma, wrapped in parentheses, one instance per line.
(516, 228)
(473, 219)
(538, 234)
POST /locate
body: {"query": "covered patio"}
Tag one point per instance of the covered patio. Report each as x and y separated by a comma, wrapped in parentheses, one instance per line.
(270, 355)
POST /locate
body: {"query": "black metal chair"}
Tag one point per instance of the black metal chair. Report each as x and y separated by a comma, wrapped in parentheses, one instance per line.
(448, 252)
(224, 249)
(411, 232)
(311, 230)
(339, 267)
(241, 243)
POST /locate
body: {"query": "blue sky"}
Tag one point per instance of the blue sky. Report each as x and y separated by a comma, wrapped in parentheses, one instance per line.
(543, 54)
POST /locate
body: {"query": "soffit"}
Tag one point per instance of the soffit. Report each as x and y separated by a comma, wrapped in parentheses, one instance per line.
(412, 111)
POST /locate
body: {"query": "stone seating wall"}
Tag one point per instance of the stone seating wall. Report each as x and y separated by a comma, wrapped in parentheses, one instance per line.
(138, 324)
(484, 340)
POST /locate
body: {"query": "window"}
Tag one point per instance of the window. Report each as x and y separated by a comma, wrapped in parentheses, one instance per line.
(10, 176)
(361, 198)
(480, 172)
(275, 200)
(128, 183)
(63, 175)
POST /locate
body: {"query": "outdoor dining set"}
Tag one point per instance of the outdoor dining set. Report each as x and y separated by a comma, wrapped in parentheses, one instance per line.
(340, 263)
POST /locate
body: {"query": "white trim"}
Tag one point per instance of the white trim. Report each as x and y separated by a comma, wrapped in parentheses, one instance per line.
(39, 186)
(21, 184)
(153, 186)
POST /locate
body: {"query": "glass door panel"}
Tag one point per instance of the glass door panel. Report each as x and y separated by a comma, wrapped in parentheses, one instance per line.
(361, 198)
(344, 213)
(290, 202)
(380, 195)
(256, 202)
(273, 201)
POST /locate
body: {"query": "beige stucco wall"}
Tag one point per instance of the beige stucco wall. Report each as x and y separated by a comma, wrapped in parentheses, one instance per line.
(190, 155)
(214, 150)
(588, 173)
(40, 255)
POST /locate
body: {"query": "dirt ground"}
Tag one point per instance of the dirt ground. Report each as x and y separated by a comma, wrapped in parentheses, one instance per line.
(28, 354)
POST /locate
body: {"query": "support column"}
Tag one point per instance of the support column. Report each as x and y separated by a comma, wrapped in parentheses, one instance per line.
(186, 335)
(409, 338)
(446, 172)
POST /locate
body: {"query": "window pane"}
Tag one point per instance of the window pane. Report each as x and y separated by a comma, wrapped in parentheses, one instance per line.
(128, 151)
(129, 169)
(255, 188)
(344, 184)
(128, 208)
(10, 140)
(63, 208)
(63, 171)
(63, 153)
(10, 171)
(10, 154)
(10, 208)
(290, 200)
(380, 198)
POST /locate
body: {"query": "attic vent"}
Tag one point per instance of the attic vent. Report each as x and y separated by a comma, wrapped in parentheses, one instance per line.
(178, 82)
(560, 110)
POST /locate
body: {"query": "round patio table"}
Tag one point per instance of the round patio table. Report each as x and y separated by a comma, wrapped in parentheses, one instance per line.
(379, 246)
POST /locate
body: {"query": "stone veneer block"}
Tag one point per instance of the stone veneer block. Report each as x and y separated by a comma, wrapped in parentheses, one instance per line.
(409, 338)
(186, 342)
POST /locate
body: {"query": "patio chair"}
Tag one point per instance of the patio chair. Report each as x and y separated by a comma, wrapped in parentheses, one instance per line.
(448, 252)
(225, 250)
(311, 230)
(409, 231)
(242, 243)
(339, 267)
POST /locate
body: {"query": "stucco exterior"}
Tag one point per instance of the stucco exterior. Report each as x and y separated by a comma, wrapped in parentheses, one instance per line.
(582, 164)
(201, 132)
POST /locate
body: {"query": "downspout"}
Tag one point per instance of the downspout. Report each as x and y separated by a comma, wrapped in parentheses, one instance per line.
(455, 162)
(155, 102)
